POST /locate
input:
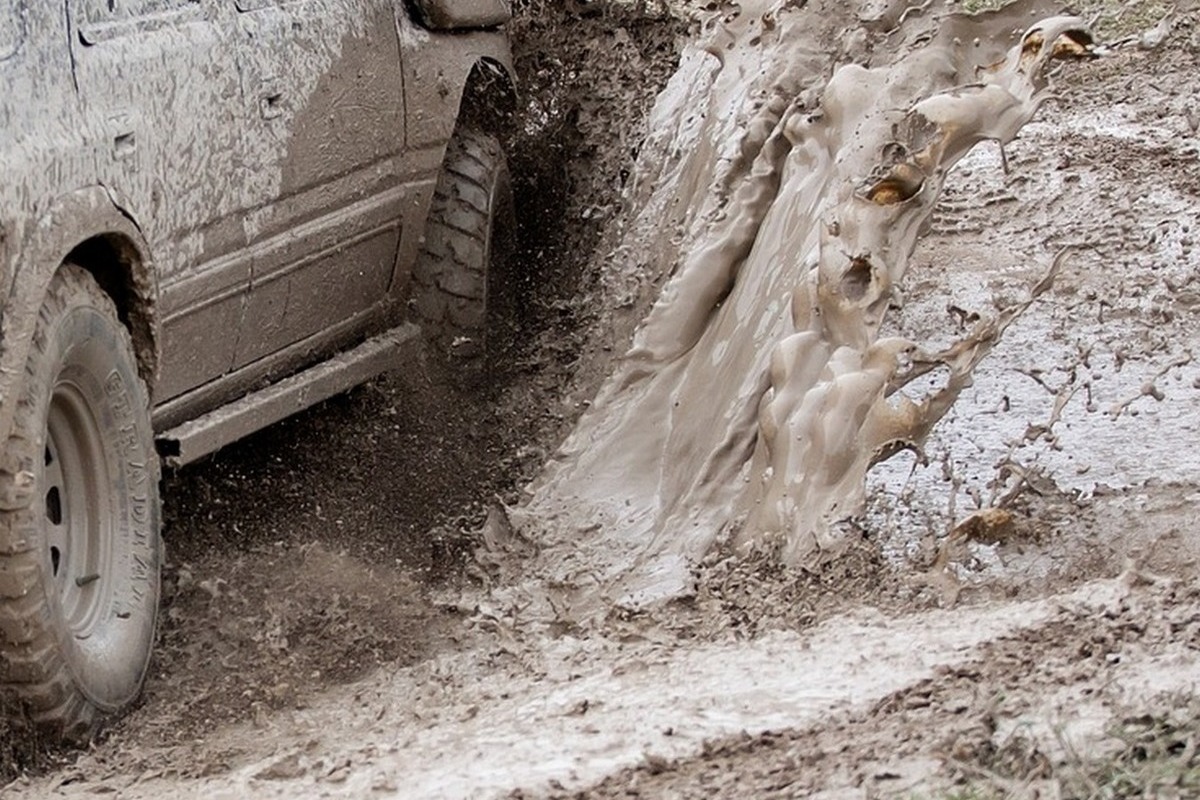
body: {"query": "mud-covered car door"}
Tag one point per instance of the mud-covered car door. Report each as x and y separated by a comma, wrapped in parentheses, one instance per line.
(160, 94)
(325, 100)
(12, 27)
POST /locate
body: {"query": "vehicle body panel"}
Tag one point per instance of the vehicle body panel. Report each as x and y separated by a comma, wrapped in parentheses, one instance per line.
(326, 204)
(169, 141)
(260, 172)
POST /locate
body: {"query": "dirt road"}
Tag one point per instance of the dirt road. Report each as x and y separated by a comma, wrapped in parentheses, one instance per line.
(351, 612)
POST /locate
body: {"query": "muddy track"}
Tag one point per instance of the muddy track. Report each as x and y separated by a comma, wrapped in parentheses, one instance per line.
(1011, 713)
(349, 612)
(304, 557)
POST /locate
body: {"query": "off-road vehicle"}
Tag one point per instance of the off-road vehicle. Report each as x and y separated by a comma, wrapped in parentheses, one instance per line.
(213, 213)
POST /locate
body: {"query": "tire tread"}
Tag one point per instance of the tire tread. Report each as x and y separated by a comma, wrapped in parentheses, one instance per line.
(450, 277)
(32, 668)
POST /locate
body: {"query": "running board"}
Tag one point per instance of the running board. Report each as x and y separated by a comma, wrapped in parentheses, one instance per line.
(207, 434)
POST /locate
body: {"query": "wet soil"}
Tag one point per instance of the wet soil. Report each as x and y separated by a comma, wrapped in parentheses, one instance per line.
(1007, 719)
(328, 628)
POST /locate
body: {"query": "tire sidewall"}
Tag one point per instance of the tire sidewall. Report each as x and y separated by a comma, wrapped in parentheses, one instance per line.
(86, 347)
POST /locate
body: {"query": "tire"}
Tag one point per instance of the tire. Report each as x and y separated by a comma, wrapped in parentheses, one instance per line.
(80, 543)
(469, 236)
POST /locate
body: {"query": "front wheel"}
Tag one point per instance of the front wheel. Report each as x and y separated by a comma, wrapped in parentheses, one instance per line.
(80, 547)
(469, 237)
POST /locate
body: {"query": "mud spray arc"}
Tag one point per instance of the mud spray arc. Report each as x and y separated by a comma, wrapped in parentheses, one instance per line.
(758, 392)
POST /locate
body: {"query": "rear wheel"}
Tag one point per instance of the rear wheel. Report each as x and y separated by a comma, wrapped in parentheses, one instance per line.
(469, 237)
(79, 532)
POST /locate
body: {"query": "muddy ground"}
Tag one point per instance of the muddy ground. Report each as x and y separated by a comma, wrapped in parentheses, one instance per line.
(329, 628)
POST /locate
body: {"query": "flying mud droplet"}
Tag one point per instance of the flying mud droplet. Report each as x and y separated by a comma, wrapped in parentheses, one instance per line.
(758, 391)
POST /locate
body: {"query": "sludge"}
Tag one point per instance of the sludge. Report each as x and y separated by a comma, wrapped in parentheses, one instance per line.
(758, 391)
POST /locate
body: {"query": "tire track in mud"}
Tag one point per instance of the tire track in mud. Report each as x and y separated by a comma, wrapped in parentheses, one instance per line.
(1017, 712)
(670, 721)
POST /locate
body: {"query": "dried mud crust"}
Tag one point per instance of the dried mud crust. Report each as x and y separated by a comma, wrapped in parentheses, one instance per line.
(468, 240)
(81, 351)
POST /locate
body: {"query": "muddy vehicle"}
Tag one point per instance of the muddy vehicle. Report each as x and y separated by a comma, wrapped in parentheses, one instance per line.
(213, 214)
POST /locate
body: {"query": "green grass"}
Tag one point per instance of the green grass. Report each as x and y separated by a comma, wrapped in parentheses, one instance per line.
(973, 793)
(1158, 758)
(976, 6)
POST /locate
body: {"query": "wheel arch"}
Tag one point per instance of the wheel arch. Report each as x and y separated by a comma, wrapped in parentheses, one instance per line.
(455, 80)
(489, 96)
(122, 270)
(451, 73)
(93, 228)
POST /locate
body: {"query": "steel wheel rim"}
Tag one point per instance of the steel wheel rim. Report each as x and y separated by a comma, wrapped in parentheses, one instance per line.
(75, 506)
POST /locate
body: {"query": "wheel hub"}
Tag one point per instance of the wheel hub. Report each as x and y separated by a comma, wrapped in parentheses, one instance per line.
(79, 543)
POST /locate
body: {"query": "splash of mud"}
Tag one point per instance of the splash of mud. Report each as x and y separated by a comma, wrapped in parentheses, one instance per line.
(807, 146)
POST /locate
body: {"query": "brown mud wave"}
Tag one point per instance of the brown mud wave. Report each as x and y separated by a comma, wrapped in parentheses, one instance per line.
(809, 143)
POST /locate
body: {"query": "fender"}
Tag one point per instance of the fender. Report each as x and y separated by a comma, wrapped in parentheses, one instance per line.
(437, 67)
(95, 212)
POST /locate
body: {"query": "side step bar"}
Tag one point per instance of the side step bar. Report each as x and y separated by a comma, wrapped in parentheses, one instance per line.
(209, 433)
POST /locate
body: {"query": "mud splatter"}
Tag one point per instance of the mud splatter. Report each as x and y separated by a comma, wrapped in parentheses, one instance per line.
(758, 391)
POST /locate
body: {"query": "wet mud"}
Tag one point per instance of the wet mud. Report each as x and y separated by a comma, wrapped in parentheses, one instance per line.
(759, 391)
(1017, 587)
(1012, 722)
